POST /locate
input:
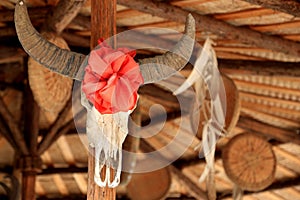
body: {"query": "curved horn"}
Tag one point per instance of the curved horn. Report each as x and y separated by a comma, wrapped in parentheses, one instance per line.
(56, 59)
(160, 67)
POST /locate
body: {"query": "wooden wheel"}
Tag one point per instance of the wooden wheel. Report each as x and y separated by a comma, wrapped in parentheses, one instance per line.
(149, 186)
(233, 108)
(249, 162)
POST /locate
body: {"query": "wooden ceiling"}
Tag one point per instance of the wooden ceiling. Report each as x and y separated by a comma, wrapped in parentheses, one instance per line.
(257, 45)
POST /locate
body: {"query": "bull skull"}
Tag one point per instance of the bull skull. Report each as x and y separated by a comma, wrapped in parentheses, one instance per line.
(105, 132)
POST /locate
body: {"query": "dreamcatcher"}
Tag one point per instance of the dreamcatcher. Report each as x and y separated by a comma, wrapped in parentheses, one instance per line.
(206, 77)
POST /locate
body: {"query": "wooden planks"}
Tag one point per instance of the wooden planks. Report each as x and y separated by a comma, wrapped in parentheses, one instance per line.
(289, 6)
(207, 23)
(279, 134)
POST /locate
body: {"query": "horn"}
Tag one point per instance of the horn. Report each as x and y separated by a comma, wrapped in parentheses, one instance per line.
(162, 66)
(56, 59)
(68, 63)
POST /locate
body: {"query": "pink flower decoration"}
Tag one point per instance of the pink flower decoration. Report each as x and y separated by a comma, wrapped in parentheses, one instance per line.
(112, 79)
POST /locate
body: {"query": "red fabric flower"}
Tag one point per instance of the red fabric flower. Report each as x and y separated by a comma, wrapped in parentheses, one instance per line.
(112, 79)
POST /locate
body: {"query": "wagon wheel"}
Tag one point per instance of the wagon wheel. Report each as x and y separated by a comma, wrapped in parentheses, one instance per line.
(150, 185)
(232, 108)
(249, 162)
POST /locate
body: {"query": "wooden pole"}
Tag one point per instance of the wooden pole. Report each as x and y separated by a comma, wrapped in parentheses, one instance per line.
(31, 115)
(13, 126)
(7, 135)
(28, 183)
(103, 25)
(103, 21)
(63, 14)
(30, 164)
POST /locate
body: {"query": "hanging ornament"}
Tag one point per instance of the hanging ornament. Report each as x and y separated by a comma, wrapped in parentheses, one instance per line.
(109, 92)
(206, 74)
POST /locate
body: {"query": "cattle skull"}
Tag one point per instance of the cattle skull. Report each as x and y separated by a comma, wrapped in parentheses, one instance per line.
(105, 132)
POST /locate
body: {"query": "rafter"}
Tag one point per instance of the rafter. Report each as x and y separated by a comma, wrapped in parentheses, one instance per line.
(213, 25)
(287, 6)
(279, 134)
(63, 170)
(14, 128)
(271, 119)
(70, 197)
(63, 14)
(51, 135)
(34, 13)
(278, 184)
(191, 186)
(7, 135)
(31, 128)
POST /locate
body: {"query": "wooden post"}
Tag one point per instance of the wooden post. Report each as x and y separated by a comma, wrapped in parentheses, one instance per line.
(28, 184)
(103, 25)
(30, 164)
(103, 21)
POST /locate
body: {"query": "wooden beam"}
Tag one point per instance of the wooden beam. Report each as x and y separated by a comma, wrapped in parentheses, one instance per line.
(279, 134)
(16, 86)
(63, 14)
(8, 32)
(14, 128)
(257, 12)
(269, 90)
(267, 68)
(63, 170)
(39, 189)
(60, 184)
(66, 150)
(34, 13)
(291, 7)
(103, 25)
(7, 135)
(103, 21)
(270, 119)
(81, 182)
(40, 14)
(31, 117)
(276, 185)
(271, 110)
(268, 100)
(28, 183)
(207, 23)
(51, 135)
(281, 153)
(31, 132)
(70, 197)
(194, 190)
(76, 40)
(69, 125)
(13, 56)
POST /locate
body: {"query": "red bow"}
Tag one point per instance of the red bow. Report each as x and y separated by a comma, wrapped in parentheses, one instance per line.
(112, 79)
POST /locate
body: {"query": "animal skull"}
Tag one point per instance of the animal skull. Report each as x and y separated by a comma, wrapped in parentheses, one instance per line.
(105, 132)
